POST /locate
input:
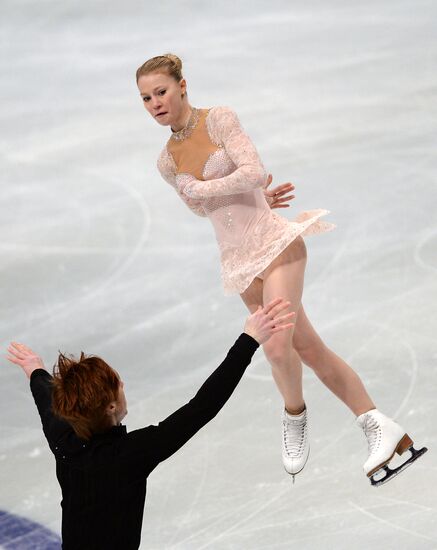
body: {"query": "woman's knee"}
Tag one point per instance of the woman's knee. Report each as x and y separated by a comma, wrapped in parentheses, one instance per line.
(278, 351)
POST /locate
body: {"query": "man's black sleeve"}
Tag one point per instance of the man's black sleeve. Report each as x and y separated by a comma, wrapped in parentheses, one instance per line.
(54, 428)
(156, 443)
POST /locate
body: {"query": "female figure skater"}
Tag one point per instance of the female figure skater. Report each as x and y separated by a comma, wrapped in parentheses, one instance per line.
(215, 169)
(102, 469)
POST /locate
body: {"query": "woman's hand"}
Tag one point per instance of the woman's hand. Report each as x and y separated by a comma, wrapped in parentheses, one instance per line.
(276, 196)
(182, 180)
(24, 357)
(267, 320)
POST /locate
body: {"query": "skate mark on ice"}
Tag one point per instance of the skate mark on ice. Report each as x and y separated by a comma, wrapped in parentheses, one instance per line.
(401, 341)
(217, 519)
(408, 503)
(260, 508)
(419, 252)
(160, 317)
(46, 316)
(325, 272)
(275, 524)
(255, 512)
(390, 523)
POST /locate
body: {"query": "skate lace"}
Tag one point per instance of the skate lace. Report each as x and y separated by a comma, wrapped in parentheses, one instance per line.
(373, 433)
(294, 436)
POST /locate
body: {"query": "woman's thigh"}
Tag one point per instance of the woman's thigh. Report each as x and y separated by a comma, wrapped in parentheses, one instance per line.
(253, 295)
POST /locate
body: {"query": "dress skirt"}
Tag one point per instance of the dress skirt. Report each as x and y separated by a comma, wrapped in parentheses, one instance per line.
(267, 239)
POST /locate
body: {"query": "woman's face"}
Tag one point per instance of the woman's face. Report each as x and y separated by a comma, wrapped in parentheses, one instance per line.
(162, 97)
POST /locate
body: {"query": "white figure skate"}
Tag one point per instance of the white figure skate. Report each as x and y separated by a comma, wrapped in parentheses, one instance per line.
(385, 438)
(295, 444)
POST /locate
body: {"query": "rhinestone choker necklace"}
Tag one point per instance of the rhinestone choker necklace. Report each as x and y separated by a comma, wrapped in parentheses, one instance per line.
(188, 129)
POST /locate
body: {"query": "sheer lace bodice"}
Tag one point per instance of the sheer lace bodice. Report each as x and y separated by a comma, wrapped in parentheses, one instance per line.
(217, 172)
(227, 186)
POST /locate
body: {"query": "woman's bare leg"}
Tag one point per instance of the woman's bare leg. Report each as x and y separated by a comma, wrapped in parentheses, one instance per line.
(283, 278)
(284, 351)
(331, 369)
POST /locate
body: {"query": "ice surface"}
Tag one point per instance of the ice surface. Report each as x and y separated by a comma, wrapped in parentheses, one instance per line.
(99, 254)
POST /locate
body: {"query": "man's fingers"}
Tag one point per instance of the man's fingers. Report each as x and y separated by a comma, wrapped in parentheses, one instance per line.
(282, 327)
(282, 319)
(16, 353)
(278, 308)
(267, 309)
(22, 349)
(13, 360)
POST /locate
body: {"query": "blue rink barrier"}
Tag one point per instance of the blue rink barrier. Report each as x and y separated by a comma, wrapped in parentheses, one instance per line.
(17, 533)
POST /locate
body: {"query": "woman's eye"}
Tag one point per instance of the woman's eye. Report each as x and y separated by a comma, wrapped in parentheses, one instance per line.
(162, 92)
(146, 99)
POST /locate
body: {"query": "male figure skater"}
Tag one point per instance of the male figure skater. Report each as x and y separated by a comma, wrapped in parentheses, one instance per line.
(102, 469)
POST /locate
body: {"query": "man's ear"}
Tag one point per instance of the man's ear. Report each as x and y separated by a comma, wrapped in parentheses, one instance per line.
(111, 408)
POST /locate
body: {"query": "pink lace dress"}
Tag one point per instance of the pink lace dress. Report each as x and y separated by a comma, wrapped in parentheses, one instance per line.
(217, 172)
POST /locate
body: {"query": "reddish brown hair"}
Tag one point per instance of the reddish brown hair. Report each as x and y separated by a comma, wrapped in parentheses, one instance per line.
(82, 390)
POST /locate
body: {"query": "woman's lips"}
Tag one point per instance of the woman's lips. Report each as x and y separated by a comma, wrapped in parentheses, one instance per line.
(160, 114)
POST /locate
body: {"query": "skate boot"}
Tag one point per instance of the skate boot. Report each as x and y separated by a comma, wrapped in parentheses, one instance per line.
(295, 444)
(385, 438)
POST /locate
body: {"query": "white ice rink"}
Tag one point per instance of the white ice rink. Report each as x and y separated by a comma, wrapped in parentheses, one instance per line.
(99, 254)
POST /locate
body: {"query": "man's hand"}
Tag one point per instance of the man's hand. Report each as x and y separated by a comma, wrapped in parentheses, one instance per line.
(25, 358)
(276, 196)
(266, 321)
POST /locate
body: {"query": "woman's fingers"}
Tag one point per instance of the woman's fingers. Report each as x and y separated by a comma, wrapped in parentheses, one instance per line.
(284, 188)
(281, 189)
(283, 199)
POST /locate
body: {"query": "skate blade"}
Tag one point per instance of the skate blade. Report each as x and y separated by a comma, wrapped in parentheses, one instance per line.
(294, 474)
(404, 443)
(390, 473)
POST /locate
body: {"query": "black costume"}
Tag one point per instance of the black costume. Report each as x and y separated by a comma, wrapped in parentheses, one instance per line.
(104, 480)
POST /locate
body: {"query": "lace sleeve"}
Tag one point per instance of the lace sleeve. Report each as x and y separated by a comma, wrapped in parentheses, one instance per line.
(249, 174)
(167, 170)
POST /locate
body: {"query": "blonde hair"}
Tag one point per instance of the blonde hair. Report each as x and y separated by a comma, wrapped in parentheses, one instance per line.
(168, 63)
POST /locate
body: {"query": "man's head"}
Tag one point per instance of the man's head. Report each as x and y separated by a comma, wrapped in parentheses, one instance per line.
(88, 394)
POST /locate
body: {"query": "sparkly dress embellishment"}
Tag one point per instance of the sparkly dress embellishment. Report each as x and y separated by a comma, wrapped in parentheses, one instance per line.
(187, 130)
